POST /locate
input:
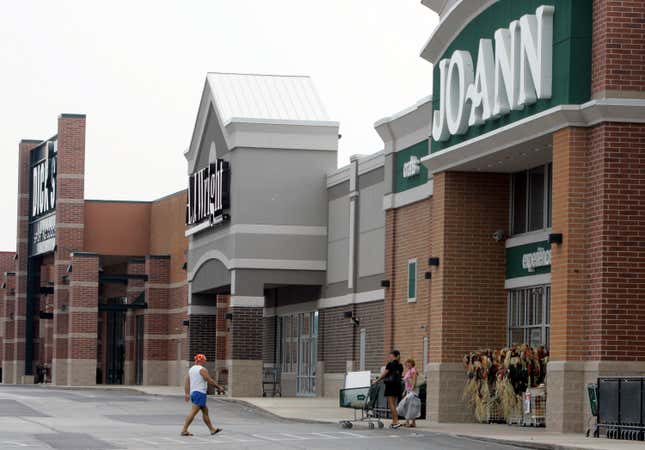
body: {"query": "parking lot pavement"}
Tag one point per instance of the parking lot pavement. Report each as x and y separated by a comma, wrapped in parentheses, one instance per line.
(35, 418)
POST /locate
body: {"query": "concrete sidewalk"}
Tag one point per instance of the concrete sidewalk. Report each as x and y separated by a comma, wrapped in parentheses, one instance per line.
(327, 410)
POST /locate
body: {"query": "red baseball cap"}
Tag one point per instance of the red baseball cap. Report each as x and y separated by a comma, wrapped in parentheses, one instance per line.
(200, 357)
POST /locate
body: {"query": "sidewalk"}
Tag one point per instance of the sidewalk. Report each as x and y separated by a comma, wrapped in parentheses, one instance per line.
(327, 410)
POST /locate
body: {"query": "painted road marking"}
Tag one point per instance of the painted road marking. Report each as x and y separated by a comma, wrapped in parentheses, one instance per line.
(347, 433)
(144, 441)
(232, 438)
(325, 435)
(294, 436)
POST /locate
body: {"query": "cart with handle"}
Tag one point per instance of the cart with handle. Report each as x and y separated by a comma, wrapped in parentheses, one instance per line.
(364, 402)
(271, 382)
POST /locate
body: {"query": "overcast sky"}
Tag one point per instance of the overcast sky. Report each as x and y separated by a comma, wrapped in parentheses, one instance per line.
(137, 69)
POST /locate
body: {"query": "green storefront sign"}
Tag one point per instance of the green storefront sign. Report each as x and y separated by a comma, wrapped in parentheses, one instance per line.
(408, 170)
(516, 33)
(529, 259)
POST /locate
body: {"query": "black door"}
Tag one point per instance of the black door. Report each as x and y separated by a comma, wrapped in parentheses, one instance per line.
(139, 350)
(115, 347)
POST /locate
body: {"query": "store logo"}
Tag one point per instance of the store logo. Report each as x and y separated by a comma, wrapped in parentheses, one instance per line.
(208, 194)
(43, 187)
(539, 258)
(516, 74)
(412, 168)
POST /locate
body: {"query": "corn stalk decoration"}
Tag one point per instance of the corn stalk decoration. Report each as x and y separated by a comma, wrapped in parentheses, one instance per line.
(497, 379)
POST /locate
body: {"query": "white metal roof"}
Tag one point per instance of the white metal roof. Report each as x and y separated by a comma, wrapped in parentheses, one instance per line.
(266, 97)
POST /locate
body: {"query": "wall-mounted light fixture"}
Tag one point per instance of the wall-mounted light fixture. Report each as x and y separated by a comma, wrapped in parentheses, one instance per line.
(184, 266)
(428, 275)
(555, 238)
(350, 315)
(65, 279)
(433, 261)
(3, 286)
(69, 269)
(15, 257)
(385, 283)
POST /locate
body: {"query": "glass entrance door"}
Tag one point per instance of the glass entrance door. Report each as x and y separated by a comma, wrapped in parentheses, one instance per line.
(307, 354)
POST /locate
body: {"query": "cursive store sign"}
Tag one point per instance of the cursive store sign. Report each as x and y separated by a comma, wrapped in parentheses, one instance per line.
(208, 194)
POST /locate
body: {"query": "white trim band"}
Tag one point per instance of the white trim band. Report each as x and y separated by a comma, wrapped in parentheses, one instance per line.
(531, 280)
(588, 114)
(417, 194)
(241, 301)
(206, 310)
(528, 238)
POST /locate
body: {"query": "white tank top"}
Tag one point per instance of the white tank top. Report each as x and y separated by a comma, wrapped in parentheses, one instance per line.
(197, 381)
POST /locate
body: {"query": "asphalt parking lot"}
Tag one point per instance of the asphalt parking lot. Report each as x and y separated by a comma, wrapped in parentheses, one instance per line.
(33, 417)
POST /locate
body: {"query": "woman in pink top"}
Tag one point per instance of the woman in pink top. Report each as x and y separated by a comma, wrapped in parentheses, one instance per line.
(410, 379)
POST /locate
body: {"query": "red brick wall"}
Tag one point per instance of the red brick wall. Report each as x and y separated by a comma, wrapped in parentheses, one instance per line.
(246, 333)
(9, 305)
(407, 237)
(618, 48)
(336, 333)
(156, 324)
(83, 306)
(598, 292)
(7, 264)
(468, 300)
(616, 236)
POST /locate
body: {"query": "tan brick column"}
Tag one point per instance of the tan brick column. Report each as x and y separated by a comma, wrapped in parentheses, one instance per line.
(70, 207)
(569, 279)
(9, 347)
(468, 301)
(156, 338)
(83, 319)
(15, 369)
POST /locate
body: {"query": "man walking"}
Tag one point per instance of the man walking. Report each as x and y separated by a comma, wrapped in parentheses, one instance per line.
(195, 387)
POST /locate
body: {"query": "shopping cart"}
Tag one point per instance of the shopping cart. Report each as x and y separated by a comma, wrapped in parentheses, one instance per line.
(367, 403)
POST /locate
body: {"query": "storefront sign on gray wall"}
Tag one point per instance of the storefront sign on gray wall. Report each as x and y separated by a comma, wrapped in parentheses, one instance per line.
(208, 194)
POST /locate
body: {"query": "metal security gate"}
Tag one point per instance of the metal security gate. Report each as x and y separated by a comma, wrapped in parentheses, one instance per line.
(139, 350)
(115, 347)
(307, 354)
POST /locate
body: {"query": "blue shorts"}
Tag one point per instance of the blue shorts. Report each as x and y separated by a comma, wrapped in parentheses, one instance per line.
(198, 398)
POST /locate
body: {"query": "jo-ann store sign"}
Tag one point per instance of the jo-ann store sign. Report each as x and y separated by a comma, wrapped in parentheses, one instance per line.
(516, 59)
(529, 259)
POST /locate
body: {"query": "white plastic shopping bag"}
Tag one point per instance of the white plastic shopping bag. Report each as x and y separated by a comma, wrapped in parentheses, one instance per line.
(409, 407)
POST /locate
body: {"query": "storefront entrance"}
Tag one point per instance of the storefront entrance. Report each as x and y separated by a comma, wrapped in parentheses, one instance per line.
(114, 346)
(529, 316)
(299, 350)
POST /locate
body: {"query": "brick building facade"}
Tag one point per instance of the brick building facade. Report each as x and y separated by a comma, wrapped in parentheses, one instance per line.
(492, 197)
(96, 292)
(538, 206)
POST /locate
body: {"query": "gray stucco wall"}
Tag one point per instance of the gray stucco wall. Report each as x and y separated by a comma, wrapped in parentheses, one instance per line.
(272, 188)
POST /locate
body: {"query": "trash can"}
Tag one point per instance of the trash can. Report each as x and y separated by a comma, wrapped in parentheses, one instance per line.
(592, 391)
(422, 396)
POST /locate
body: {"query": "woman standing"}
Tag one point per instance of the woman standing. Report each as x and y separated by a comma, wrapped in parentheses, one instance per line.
(392, 378)
(412, 403)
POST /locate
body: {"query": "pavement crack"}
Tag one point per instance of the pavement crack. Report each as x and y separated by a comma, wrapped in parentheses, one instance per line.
(34, 421)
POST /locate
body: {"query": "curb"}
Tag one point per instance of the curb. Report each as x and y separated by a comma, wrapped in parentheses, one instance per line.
(271, 414)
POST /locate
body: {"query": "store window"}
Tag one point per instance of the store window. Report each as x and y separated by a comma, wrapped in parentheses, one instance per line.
(529, 316)
(412, 280)
(288, 340)
(531, 199)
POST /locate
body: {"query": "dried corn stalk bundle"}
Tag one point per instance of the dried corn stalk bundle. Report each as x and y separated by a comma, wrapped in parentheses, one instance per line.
(497, 379)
